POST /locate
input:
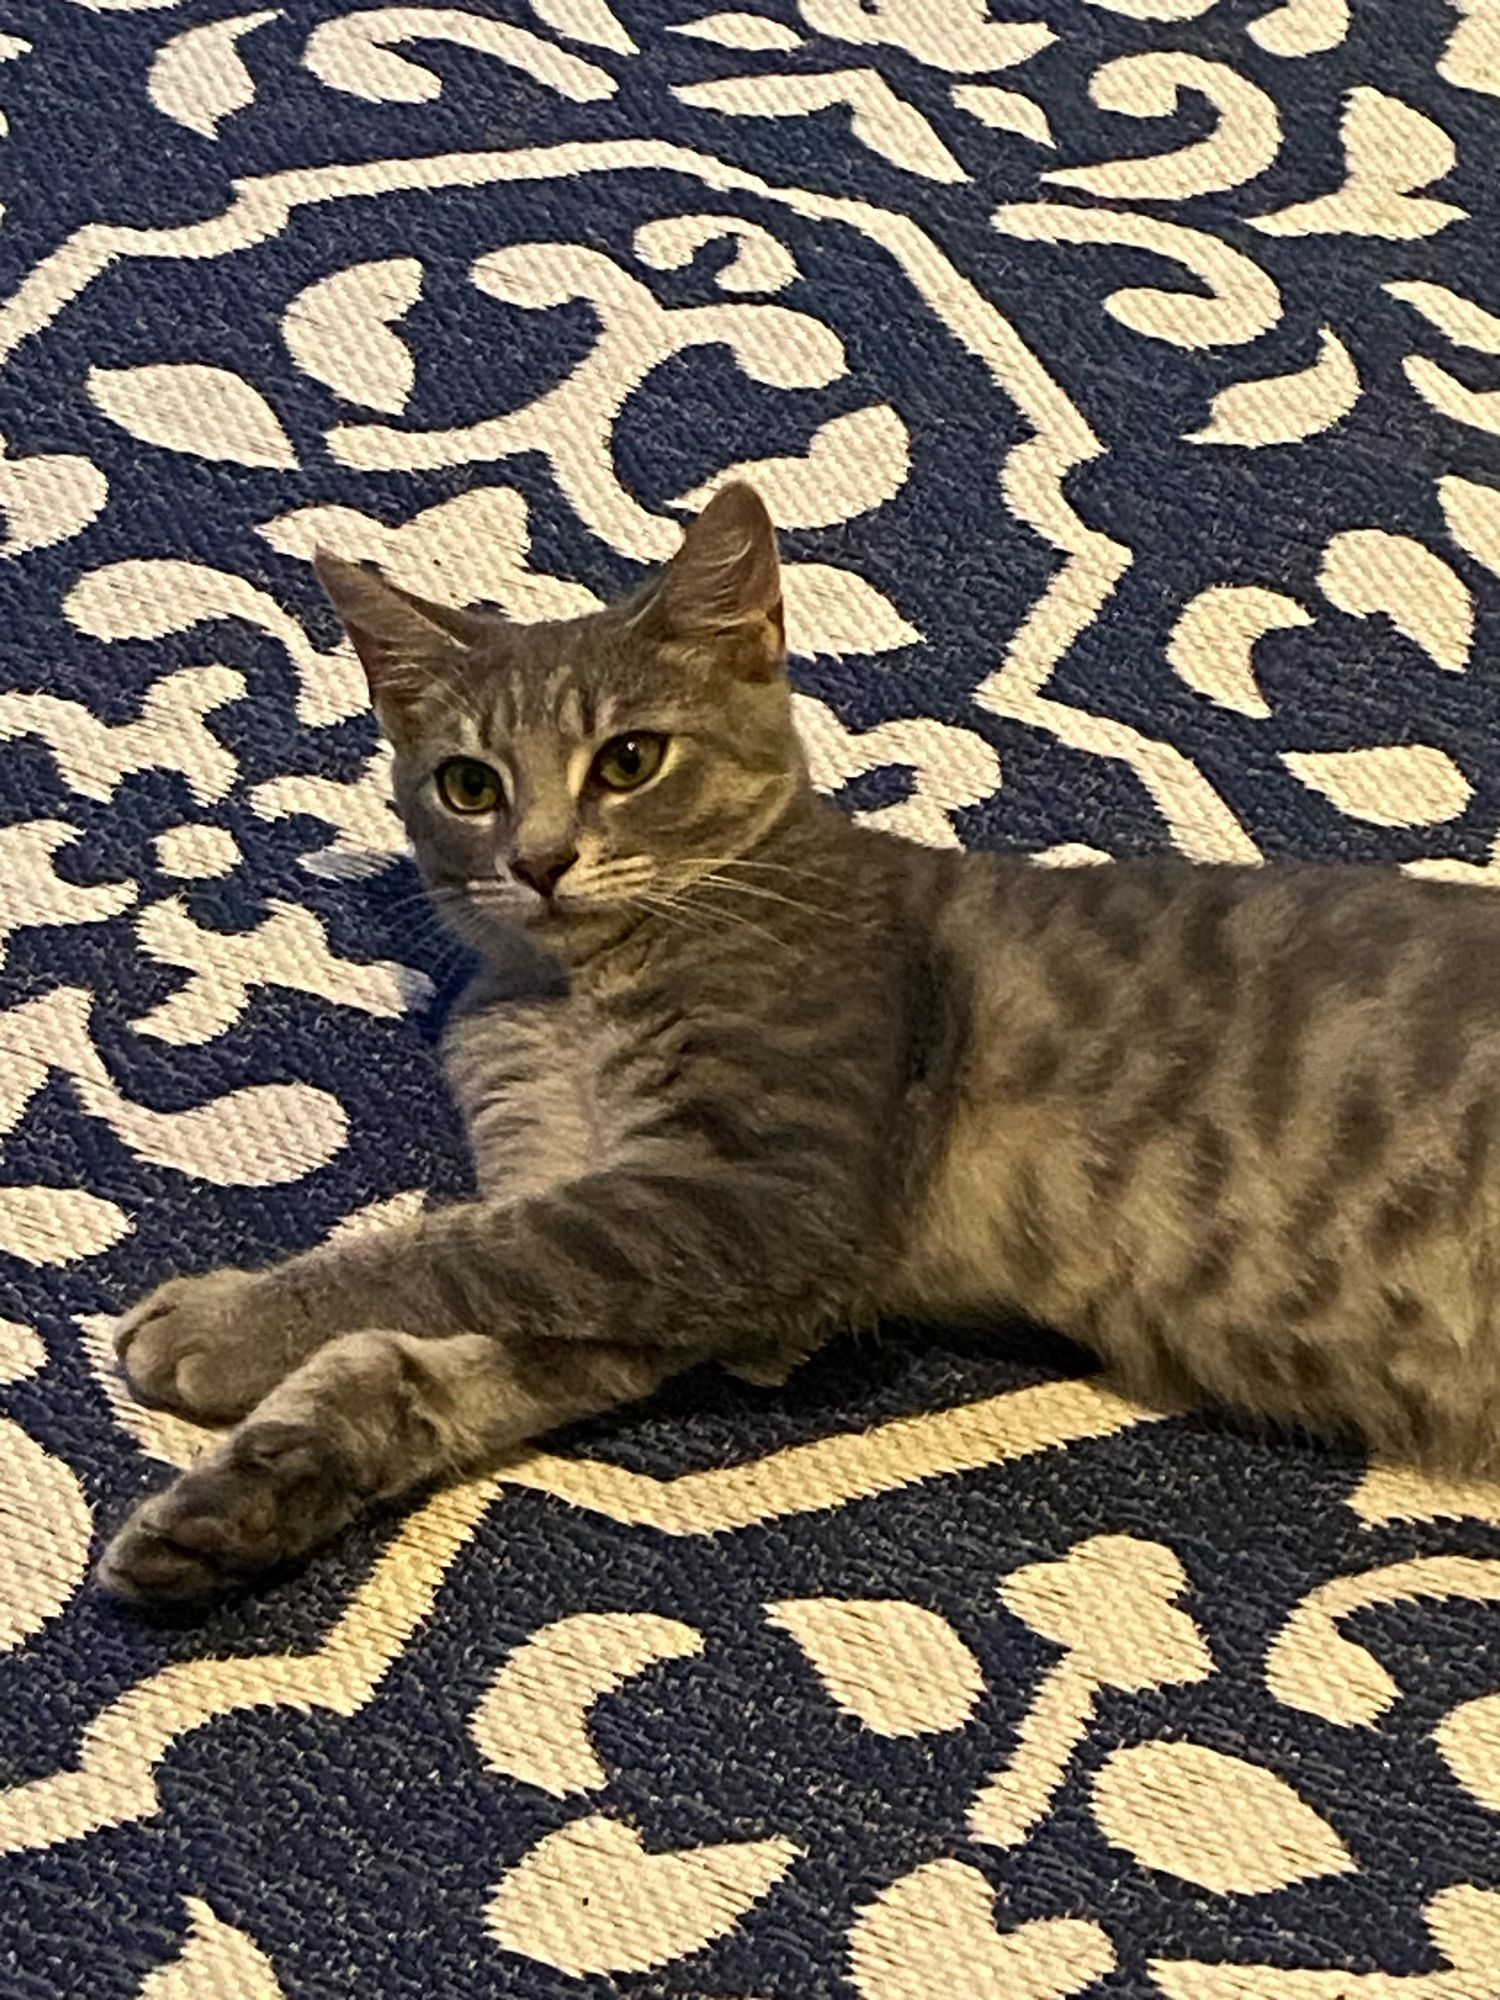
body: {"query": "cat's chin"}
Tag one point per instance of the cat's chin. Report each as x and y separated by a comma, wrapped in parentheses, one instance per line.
(546, 922)
(555, 921)
(492, 927)
(482, 929)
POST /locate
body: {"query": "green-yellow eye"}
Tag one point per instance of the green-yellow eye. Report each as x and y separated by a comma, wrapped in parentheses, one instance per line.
(628, 761)
(467, 786)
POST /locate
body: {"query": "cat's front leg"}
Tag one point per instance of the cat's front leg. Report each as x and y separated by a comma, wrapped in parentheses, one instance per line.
(368, 1417)
(211, 1347)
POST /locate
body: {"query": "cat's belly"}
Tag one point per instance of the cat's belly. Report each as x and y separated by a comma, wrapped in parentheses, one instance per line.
(1228, 1283)
(982, 1234)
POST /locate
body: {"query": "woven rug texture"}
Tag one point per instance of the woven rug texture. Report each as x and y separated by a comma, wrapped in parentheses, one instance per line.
(1125, 378)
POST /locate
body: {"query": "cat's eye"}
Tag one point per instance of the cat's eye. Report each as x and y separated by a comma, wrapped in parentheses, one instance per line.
(628, 761)
(467, 786)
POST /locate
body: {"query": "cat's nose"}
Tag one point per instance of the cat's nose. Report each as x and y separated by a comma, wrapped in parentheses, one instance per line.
(543, 872)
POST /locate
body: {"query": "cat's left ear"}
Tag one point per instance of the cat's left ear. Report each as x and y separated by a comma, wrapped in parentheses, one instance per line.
(723, 586)
(404, 643)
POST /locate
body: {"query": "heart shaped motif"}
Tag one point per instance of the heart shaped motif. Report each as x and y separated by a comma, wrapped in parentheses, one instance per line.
(590, 1899)
(47, 499)
(1365, 572)
(1112, 1604)
(339, 330)
(951, 767)
(940, 1920)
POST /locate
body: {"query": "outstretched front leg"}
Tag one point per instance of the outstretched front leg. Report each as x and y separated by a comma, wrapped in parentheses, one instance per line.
(368, 1417)
(495, 1322)
(211, 1347)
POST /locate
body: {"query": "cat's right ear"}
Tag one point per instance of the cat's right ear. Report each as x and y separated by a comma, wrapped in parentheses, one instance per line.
(403, 642)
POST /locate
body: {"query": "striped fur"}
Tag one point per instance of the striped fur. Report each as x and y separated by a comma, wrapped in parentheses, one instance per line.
(753, 1074)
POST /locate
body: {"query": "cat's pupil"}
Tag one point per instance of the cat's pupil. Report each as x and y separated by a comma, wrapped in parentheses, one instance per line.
(628, 761)
(467, 786)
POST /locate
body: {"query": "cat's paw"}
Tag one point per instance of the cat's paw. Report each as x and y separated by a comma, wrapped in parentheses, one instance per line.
(273, 1492)
(209, 1347)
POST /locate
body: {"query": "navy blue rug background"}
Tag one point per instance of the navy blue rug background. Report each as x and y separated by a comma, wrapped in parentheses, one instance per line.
(359, 1852)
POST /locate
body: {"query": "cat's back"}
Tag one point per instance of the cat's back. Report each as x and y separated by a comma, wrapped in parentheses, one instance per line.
(1287, 960)
(1306, 1016)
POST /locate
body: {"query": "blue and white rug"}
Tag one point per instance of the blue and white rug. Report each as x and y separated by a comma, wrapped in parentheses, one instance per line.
(1126, 377)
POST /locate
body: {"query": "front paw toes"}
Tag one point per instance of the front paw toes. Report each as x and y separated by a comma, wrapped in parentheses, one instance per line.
(204, 1347)
(144, 1565)
(270, 1496)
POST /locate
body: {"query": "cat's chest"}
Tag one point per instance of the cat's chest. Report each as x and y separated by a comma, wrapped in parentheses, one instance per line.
(543, 1091)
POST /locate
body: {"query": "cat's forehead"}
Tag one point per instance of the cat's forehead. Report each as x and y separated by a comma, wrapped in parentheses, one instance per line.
(578, 677)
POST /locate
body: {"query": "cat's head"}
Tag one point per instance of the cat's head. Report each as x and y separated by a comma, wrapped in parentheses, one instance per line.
(554, 770)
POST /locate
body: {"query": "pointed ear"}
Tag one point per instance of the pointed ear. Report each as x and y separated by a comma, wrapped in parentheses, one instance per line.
(723, 586)
(403, 642)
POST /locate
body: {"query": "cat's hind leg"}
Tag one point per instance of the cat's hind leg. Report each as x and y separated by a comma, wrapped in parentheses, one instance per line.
(368, 1417)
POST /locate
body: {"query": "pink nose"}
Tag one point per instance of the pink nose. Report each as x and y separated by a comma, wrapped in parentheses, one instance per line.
(543, 872)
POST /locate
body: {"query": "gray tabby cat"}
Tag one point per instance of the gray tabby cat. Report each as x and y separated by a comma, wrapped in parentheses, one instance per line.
(777, 1074)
